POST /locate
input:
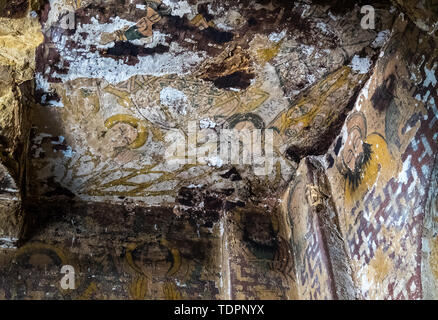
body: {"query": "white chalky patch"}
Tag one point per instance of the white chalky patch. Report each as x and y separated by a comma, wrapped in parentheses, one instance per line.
(332, 16)
(207, 124)
(68, 153)
(311, 78)
(323, 27)
(308, 50)
(361, 65)
(94, 31)
(174, 99)
(179, 8)
(430, 76)
(224, 27)
(403, 175)
(381, 38)
(195, 186)
(277, 37)
(41, 83)
(363, 95)
(83, 63)
(215, 162)
(8, 243)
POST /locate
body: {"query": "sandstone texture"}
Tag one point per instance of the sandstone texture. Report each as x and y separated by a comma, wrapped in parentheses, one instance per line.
(19, 37)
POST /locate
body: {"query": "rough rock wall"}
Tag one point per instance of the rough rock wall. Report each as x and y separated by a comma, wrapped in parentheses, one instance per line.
(381, 174)
(429, 243)
(423, 13)
(19, 37)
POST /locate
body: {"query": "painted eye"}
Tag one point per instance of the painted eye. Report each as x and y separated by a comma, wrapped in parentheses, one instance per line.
(356, 141)
(349, 156)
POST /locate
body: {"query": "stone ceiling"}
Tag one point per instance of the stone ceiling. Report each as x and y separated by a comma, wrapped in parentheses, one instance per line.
(112, 122)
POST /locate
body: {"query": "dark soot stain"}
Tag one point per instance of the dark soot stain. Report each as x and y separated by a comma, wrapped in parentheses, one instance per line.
(238, 80)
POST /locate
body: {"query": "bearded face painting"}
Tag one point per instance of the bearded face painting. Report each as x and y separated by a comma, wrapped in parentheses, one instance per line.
(356, 154)
(362, 159)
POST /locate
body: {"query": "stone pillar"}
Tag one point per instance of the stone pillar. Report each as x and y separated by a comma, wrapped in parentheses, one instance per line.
(322, 263)
(14, 136)
(19, 38)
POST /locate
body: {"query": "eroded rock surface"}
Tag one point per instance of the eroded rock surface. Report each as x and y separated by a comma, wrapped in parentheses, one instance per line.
(424, 13)
(18, 40)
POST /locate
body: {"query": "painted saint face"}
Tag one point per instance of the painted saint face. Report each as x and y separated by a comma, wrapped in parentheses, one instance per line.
(353, 153)
(152, 255)
(356, 153)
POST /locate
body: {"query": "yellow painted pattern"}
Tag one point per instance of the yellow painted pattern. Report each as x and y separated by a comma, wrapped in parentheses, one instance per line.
(32, 247)
(176, 258)
(123, 97)
(315, 99)
(240, 102)
(171, 292)
(380, 161)
(268, 54)
(139, 287)
(142, 133)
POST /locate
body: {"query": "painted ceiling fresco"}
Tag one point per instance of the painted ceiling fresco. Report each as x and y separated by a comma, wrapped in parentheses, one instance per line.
(114, 122)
